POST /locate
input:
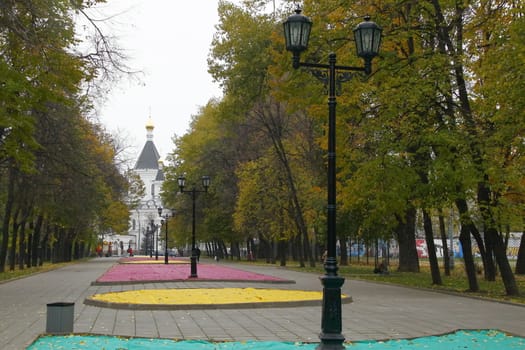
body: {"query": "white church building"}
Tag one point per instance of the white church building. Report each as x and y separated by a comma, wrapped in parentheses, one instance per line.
(144, 227)
(144, 220)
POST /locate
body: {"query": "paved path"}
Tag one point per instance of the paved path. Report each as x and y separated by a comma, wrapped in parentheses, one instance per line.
(379, 311)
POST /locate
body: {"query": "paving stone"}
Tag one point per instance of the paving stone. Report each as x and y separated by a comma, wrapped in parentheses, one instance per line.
(378, 311)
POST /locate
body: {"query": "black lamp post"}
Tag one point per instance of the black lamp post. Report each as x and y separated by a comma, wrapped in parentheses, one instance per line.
(193, 192)
(367, 37)
(149, 245)
(155, 232)
(165, 220)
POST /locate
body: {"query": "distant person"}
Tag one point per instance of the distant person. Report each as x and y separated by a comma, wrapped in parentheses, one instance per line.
(381, 269)
(198, 254)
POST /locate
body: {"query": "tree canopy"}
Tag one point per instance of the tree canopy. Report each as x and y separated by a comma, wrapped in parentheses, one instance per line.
(58, 168)
(438, 124)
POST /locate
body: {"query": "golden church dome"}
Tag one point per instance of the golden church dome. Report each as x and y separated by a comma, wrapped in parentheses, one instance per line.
(149, 124)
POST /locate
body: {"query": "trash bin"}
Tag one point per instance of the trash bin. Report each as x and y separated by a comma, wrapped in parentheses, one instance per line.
(60, 317)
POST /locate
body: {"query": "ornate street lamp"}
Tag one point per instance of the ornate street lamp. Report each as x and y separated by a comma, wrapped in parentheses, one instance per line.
(152, 230)
(170, 213)
(156, 242)
(193, 192)
(368, 37)
(148, 241)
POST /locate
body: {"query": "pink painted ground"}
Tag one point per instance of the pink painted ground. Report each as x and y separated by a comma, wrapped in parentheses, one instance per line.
(180, 272)
(147, 259)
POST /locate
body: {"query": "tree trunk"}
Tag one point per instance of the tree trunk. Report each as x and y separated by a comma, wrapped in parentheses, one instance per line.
(511, 287)
(496, 241)
(344, 251)
(84, 250)
(490, 266)
(272, 251)
(466, 222)
(14, 239)
(281, 247)
(61, 242)
(237, 251)
(7, 216)
(299, 250)
(307, 248)
(224, 249)
(22, 246)
(491, 234)
(29, 243)
(520, 263)
(467, 226)
(76, 250)
(44, 252)
(265, 248)
(406, 237)
(429, 237)
(281, 241)
(444, 242)
(470, 269)
(36, 240)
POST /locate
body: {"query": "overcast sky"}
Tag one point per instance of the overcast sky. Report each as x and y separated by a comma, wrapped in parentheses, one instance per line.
(169, 40)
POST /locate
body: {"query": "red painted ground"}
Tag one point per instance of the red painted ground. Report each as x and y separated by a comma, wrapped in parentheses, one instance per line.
(180, 272)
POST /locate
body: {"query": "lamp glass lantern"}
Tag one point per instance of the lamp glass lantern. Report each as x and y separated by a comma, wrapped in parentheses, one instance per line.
(297, 28)
(367, 37)
(206, 182)
(181, 181)
(297, 32)
(169, 212)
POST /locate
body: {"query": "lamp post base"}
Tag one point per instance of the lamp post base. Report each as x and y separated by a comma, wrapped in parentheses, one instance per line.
(193, 273)
(331, 323)
(331, 342)
(166, 258)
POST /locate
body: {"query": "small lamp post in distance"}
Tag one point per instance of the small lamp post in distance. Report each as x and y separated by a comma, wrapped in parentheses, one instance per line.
(165, 218)
(193, 193)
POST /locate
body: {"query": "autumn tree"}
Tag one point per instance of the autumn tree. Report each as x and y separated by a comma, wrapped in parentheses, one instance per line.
(243, 68)
(437, 124)
(45, 139)
(434, 127)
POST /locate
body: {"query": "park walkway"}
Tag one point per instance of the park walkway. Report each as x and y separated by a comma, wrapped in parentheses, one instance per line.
(378, 312)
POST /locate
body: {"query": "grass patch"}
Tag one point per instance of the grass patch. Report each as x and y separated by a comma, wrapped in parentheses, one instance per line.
(457, 281)
(17, 273)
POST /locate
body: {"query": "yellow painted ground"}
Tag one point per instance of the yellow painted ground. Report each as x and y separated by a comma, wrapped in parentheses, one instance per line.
(203, 296)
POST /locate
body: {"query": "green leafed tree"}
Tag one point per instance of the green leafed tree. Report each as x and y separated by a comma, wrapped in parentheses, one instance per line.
(58, 169)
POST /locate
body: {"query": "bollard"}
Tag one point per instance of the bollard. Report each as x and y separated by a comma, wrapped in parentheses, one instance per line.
(60, 317)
